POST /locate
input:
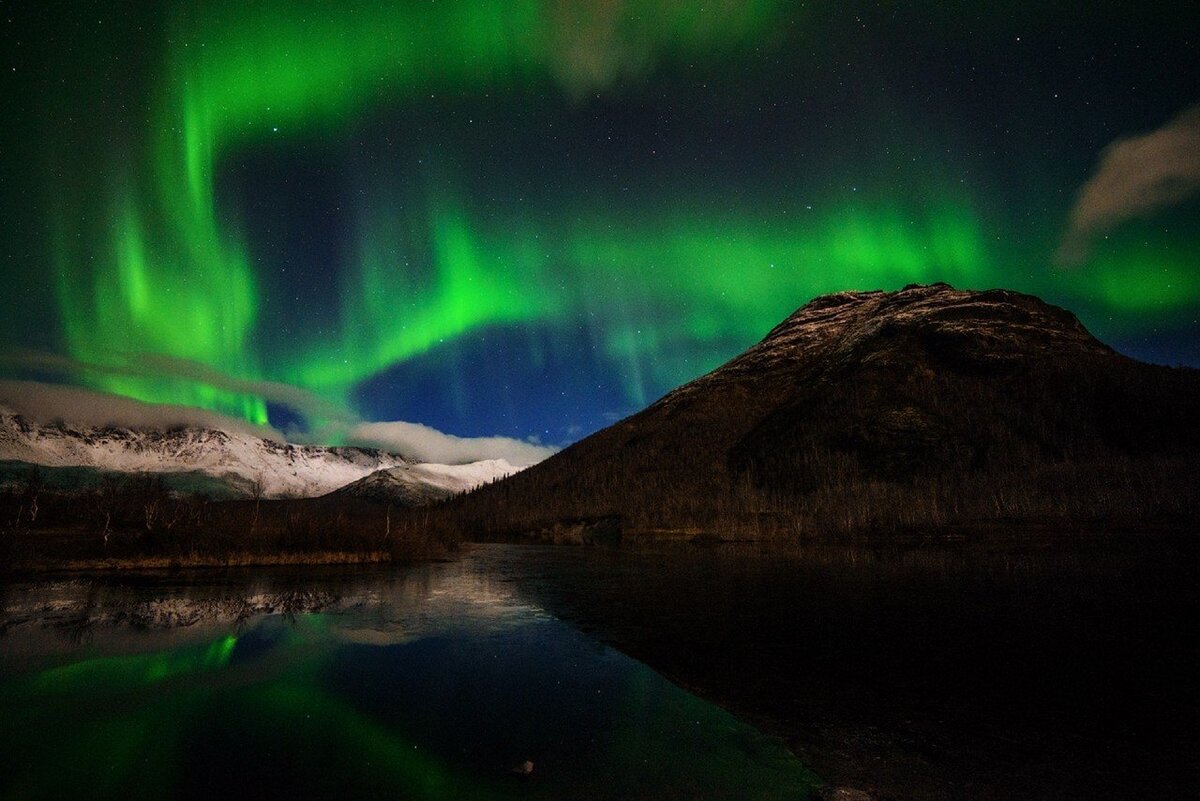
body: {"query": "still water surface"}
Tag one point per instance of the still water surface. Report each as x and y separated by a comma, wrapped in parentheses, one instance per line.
(1056, 667)
(434, 681)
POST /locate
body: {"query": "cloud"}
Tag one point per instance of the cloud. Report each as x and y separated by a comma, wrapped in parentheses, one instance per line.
(312, 407)
(427, 444)
(47, 403)
(593, 45)
(1136, 177)
(56, 403)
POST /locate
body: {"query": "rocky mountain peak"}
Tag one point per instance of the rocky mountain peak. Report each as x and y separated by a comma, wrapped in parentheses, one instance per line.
(998, 321)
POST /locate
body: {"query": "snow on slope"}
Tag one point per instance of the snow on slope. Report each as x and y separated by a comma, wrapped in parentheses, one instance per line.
(238, 458)
(414, 484)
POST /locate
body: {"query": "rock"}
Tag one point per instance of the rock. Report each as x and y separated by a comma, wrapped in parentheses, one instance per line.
(841, 794)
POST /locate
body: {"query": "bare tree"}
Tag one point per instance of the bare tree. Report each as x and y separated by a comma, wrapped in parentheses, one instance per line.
(106, 499)
(258, 488)
(34, 484)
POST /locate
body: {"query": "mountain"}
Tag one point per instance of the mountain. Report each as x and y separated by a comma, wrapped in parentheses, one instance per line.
(210, 461)
(420, 484)
(925, 407)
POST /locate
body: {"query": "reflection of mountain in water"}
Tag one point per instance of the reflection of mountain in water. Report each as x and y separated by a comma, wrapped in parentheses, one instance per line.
(377, 607)
(427, 683)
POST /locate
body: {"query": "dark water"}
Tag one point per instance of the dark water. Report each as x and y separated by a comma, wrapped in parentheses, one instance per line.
(1071, 672)
(428, 682)
(1062, 672)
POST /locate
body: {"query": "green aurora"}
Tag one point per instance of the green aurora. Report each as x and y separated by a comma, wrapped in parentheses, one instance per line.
(437, 117)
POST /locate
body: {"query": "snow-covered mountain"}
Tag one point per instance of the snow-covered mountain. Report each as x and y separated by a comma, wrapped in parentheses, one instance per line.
(415, 484)
(238, 460)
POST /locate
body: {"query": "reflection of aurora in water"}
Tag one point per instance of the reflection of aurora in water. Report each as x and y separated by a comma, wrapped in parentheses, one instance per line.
(431, 684)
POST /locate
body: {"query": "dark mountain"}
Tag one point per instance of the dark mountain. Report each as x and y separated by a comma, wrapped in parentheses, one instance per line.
(927, 407)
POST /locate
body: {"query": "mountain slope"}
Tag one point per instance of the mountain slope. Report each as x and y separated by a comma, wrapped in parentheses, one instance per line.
(419, 484)
(927, 406)
(236, 463)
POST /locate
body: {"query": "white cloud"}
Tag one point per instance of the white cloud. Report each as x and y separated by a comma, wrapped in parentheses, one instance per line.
(427, 444)
(57, 403)
(308, 404)
(1136, 177)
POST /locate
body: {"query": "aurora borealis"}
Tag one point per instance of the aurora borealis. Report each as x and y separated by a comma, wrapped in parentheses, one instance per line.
(530, 217)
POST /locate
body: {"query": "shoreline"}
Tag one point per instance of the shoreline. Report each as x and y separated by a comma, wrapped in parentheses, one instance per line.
(134, 564)
(1048, 537)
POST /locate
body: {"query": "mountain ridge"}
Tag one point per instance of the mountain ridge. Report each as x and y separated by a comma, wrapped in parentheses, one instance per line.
(419, 484)
(924, 406)
(244, 464)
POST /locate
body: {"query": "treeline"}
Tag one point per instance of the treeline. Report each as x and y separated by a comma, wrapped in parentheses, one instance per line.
(136, 519)
(895, 444)
(1113, 495)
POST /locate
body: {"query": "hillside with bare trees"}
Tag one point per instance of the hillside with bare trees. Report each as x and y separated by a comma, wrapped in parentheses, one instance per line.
(924, 409)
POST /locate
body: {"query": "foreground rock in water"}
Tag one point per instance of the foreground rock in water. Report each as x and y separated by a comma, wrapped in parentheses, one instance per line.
(841, 794)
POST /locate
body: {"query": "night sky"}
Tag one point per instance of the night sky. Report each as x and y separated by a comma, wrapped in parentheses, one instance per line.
(532, 218)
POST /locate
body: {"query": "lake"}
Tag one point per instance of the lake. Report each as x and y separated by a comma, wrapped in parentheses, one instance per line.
(930, 673)
(429, 682)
